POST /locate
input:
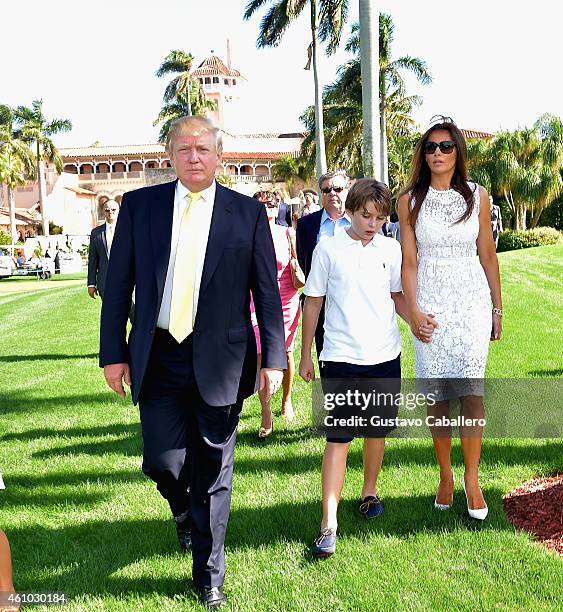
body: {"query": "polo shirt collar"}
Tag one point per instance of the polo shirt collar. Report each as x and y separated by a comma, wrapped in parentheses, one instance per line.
(345, 236)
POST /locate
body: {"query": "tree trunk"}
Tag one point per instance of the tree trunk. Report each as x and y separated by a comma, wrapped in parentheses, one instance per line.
(12, 205)
(522, 216)
(189, 96)
(536, 216)
(42, 191)
(369, 62)
(512, 209)
(383, 142)
(319, 122)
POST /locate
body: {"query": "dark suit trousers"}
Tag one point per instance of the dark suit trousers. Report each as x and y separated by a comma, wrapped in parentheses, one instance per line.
(188, 451)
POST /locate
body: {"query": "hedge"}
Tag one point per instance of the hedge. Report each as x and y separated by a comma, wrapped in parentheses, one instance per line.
(510, 240)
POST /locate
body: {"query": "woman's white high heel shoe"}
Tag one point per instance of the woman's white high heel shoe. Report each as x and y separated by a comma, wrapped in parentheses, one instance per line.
(477, 513)
(443, 506)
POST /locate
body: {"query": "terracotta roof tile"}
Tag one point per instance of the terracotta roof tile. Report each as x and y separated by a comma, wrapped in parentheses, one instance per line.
(214, 66)
(476, 134)
(228, 155)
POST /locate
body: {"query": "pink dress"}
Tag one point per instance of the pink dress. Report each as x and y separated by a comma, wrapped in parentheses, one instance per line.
(289, 296)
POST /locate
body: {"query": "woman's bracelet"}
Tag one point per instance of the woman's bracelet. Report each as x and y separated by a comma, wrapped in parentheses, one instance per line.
(497, 311)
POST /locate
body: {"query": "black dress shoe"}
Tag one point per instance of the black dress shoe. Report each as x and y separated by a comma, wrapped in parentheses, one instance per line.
(184, 532)
(212, 597)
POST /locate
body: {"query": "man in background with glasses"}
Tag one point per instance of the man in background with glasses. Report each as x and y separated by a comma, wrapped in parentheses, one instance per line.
(101, 239)
(325, 223)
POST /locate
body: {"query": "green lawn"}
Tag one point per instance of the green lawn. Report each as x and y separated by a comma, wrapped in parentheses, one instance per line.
(82, 518)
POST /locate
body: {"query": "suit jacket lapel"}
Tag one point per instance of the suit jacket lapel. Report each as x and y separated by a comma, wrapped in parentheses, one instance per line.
(218, 234)
(315, 229)
(161, 212)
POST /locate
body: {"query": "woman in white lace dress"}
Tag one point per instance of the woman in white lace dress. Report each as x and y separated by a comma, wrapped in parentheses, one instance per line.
(451, 277)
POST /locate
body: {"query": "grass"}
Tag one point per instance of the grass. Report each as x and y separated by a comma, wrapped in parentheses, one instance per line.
(82, 518)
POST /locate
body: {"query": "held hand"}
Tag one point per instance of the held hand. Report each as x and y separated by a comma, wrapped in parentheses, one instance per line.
(271, 379)
(496, 331)
(116, 374)
(306, 368)
(92, 292)
(422, 325)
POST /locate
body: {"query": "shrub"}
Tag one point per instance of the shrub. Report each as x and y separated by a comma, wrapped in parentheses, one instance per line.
(510, 240)
(5, 238)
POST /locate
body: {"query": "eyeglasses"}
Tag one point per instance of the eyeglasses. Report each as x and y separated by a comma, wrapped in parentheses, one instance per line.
(110, 209)
(270, 204)
(327, 190)
(446, 146)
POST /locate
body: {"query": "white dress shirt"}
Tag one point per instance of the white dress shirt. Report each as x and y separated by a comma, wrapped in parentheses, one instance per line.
(204, 214)
(329, 227)
(360, 322)
(110, 230)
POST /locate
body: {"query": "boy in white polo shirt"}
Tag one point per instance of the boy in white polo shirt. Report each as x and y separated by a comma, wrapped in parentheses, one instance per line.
(359, 273)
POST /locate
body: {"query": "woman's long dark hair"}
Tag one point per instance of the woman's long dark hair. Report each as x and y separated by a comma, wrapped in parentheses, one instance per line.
(419, 180)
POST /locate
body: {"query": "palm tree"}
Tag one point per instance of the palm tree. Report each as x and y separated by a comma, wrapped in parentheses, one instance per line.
(179, 108)
(327, 20)
(286, 168)
(178, 62)
(390, 78)
(16, 162)
(36, 129)
(550, 184)
(523, 167)
(344, 108)
(370, 87)
(344, 120)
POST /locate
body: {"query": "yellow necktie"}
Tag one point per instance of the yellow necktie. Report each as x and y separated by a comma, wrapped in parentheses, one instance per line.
(183, 282)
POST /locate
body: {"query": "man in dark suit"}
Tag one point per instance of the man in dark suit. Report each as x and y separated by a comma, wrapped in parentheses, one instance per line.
(284, 211)
(193, 250)
(101, 239)
(324, 223)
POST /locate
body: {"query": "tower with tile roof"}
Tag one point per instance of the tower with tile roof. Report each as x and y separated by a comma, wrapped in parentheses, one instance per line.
(221, 84)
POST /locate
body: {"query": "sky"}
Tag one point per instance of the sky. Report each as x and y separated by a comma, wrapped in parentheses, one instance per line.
(495, 63)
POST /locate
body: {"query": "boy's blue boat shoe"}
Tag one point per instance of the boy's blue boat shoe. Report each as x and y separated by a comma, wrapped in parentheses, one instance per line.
(371, 507)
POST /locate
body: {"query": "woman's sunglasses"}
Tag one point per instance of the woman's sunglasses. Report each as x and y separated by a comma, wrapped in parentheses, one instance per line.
(446, 146)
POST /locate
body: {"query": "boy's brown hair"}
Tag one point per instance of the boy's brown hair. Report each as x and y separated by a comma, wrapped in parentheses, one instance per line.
(367, 190)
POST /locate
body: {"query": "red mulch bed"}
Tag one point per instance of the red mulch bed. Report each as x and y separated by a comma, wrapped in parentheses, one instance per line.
(537, 507)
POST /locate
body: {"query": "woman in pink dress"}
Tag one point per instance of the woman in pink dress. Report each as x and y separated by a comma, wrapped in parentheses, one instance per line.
(283, 238)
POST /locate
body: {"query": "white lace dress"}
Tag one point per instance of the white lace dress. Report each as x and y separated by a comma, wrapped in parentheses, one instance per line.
(451, 285)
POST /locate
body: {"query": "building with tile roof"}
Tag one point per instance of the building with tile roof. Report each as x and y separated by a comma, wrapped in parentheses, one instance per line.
(96, 173)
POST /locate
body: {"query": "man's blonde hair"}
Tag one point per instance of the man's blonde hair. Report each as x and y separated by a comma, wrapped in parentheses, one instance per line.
(193, 123)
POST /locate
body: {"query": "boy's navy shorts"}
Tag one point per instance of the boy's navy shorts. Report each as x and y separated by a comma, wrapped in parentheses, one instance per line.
(342, 377)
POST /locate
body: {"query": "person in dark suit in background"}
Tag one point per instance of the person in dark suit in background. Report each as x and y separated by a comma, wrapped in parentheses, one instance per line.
(101, 240)
(194, 251)
(324, 223)
(284, 211)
